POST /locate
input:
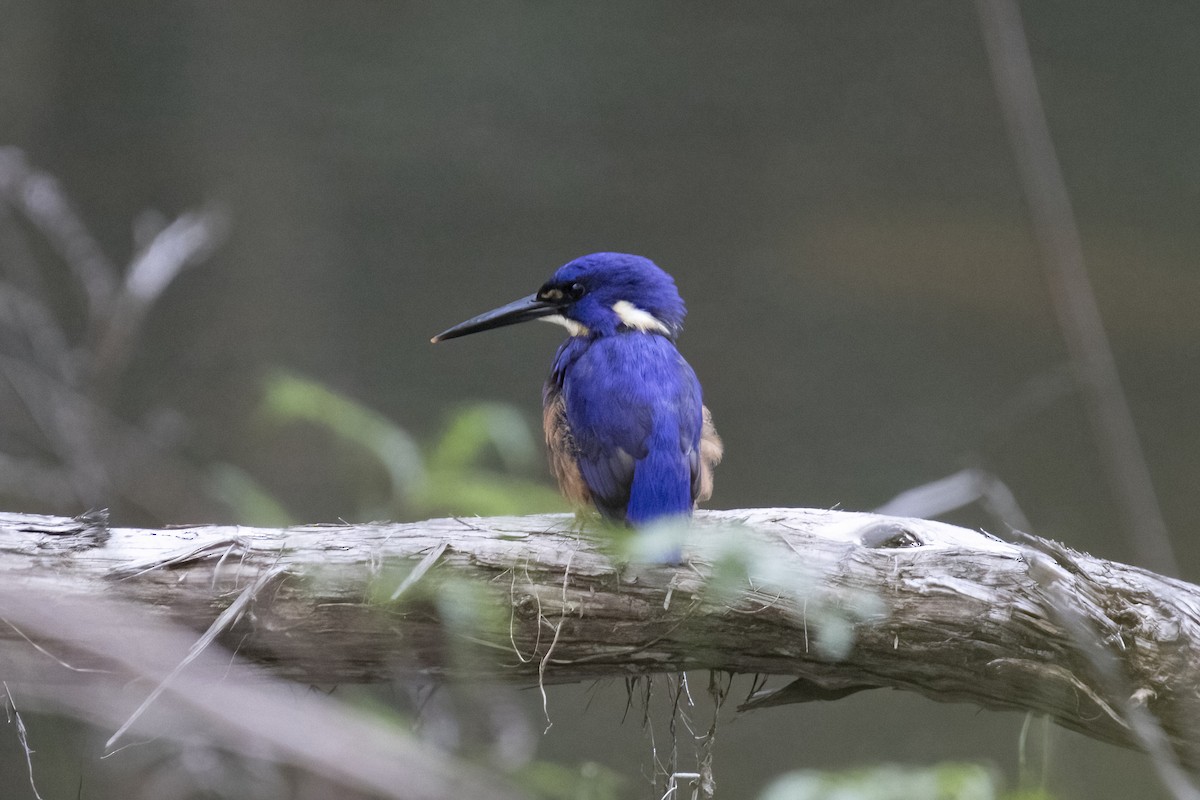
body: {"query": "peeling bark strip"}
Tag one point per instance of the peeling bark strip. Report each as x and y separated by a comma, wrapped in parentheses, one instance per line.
(841, 601)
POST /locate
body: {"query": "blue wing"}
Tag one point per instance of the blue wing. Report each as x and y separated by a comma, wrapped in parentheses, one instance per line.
(632, 411)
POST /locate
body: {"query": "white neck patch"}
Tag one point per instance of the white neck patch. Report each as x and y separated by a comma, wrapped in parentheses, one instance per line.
(639, 319)
(574, 328)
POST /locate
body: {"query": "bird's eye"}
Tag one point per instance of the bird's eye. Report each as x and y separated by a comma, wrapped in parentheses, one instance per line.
(576, 291)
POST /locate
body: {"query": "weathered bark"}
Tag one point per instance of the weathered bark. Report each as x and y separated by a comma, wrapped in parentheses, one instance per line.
(841, 601)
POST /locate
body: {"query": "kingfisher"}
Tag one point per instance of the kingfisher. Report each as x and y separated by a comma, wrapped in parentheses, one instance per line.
(626, 427)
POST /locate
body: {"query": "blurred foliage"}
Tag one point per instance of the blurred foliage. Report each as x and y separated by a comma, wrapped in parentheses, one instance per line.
(739, 561)
(471, 613)
(250, 502)
(590, 781)
(479, 464)
(949, 781)
(72, 328)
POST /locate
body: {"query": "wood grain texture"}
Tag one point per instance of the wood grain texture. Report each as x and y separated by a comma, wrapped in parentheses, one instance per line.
(841, 601)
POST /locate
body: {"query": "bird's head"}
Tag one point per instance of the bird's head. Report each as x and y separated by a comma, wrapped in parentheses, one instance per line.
(595, 295)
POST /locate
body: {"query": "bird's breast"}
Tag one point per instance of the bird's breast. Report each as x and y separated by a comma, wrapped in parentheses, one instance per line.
(613, 402)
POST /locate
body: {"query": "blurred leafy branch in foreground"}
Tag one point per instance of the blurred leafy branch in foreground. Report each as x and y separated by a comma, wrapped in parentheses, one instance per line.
(70, 319)
(945, 781)
(473, 466)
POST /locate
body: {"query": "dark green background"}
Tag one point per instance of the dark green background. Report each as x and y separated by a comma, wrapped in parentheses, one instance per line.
(830, 183)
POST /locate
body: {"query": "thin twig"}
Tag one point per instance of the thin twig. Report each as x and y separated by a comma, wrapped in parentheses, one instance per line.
(23, 738)
(419, 571)
(557, 630)
(512, 618)
(222, 623)
(187, 241)
(201, 550)
(1070, 288)
(47, 344)
(41, 199)
(50, 655)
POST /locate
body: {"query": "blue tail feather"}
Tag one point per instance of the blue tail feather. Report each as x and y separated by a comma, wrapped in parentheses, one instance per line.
(662, 483)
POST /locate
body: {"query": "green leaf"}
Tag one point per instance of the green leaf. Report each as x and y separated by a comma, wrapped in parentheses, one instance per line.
(475, 426)
(949, 781)
(252, 504)
(590, 781)
(290, 398)
(485, 494)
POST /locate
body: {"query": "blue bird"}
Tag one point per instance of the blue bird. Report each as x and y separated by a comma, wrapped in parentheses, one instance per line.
(625, 424)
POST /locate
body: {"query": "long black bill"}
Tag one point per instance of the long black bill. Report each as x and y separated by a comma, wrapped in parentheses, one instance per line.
(522, 310)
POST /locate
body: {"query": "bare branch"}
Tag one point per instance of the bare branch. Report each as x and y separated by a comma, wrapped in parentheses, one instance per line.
(843, 602)
(964, 487)
(22, 737)
(42, 200)
(58, 378)
(1070, 288)
(185, 242)
(27, 318)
